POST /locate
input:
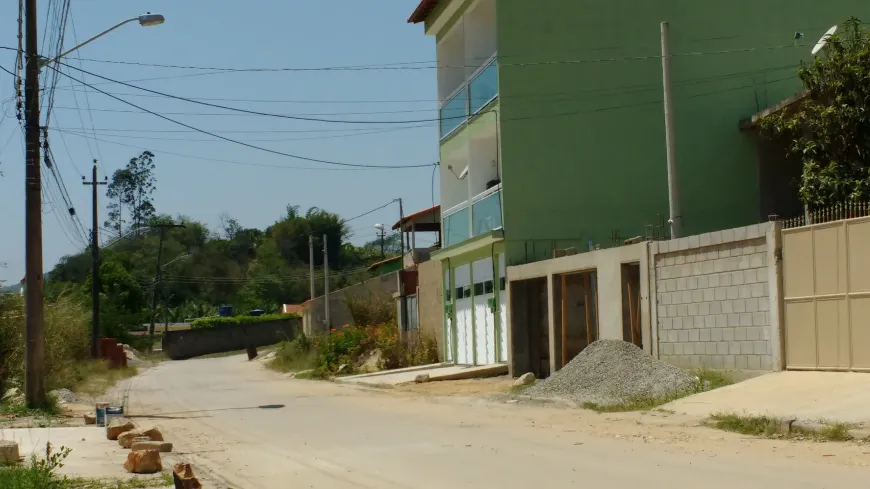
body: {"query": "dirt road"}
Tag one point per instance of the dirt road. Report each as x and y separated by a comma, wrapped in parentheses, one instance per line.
(253, 429)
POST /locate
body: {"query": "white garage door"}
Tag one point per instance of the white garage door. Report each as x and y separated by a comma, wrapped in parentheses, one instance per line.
(502, 309)
(484, 315)
(448, 318)
(464, 323)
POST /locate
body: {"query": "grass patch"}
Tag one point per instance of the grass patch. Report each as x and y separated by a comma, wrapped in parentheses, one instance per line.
(294, 356)
(710, 379)
(18, 408)
(40, 473)
(96, 377)
(165, 480)
(770, 427)
(519, 389)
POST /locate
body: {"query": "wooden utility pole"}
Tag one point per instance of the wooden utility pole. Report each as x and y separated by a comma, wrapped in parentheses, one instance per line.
(326, 283)
(676, 219)
(311, 264)
(95, 265)
(34, 327)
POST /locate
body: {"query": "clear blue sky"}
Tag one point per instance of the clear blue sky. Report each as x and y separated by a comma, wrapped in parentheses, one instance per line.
(250, 34)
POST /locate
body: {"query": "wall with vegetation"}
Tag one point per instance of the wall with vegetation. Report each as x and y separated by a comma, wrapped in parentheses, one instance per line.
(582, 138)
(181, 345)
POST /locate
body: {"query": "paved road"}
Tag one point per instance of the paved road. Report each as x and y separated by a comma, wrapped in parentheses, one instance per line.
(253, 429)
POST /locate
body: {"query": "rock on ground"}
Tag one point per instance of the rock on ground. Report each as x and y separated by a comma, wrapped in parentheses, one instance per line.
(160, 446)
(525, 379)
(612, 372)
(143, 462)
(183, 476)
(422, 378)
(118, 426)
(8, 452)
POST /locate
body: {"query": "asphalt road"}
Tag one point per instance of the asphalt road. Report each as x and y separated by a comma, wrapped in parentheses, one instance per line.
(251, 428)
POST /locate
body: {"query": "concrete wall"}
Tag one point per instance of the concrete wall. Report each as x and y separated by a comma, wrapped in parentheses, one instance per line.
(181, 345)
(430, 301)
(315, 313)
(608, 266)
(717, 299)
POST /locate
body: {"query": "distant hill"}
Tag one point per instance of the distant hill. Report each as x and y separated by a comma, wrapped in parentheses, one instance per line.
(10, 289)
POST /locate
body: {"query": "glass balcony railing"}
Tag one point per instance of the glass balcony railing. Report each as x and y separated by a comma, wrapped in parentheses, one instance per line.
(483, 88)
(486, 214)
(481, 217)
(457, 227)
(473, 96)
(454, 113)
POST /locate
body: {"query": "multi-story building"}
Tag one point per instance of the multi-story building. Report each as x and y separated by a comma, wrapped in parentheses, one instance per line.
(552, 130)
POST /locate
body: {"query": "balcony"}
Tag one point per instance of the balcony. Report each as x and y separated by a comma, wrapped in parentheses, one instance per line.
(464, 222)
(470, 98)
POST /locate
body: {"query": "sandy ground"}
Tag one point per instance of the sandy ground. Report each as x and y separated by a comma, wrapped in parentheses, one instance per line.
(243, 426)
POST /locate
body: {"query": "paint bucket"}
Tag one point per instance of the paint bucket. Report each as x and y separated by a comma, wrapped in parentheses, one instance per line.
(113, 412)
(101, 413)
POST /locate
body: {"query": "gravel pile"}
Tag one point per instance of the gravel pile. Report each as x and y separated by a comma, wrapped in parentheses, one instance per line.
(66, 396)
(611, 372)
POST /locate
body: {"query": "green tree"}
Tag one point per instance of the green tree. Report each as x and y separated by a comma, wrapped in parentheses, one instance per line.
(830, 128)
(132, 187)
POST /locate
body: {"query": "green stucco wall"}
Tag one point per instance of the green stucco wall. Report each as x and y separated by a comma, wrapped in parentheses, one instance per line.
(582, 143)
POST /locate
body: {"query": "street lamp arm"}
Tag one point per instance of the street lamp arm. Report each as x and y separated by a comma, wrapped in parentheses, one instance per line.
(44, 61)
(145, 20)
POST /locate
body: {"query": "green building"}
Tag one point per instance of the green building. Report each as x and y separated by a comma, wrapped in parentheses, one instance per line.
(553, 136)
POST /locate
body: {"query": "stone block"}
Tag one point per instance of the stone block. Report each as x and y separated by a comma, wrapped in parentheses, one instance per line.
(698, 322)
(721, 320)
(759, 347)
(683, 335)
(747, 348)
(711, 348)
(756, 260)
(117, 426)
(741, 362)
(143, 462)
(716, 334)
(732, 293)
(694, 307)
(682, 310)
(697, 295)
(727, 306)
(160, 446)
(729, 361)
(708, 295)
(714, 281)
(704, 335)
(703, 282)
(751, 305)
(709, 321)
(692, 283)
(734, 347)
(746, 319)
(750, 276)
(759, 319)
(727, 334)
(756, 290)
(716, 237)
(9, 452)
(743, 292)
(740, 334)
(752, 334)
(737, 278)
(694, 335)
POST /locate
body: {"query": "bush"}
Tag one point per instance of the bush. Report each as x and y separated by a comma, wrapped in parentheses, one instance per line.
(240, 320)
(348, 345)
(67, 342)
(293, 356)
(372, 310)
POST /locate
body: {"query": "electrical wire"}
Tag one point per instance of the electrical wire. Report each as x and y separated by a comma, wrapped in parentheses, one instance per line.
(260, 148)
(371, 211)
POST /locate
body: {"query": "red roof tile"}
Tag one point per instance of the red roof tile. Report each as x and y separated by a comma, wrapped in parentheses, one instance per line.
(421, 13)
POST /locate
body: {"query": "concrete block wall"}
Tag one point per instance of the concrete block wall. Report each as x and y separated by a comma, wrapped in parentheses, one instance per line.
(430, 302)
(716, 299)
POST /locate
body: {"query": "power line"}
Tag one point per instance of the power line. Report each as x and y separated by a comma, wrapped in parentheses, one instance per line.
(280, 153)
(371, 211)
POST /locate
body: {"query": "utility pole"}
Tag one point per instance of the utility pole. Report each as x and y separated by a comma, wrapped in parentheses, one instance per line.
(163, 228)
(326, 282)
(402, 307)
(311, 263)
(35, 328)
(676, 219)
(95, 265)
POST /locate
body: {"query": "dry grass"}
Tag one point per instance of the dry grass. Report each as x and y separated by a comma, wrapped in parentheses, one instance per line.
(770, 427)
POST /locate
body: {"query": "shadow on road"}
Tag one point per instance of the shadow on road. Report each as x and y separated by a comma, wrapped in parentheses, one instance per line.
(180, 415)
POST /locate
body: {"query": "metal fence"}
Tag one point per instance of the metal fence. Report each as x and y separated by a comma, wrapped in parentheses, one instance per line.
(838, 212)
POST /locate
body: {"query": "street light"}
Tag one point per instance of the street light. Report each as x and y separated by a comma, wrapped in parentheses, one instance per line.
(145, 20)
(380, 227)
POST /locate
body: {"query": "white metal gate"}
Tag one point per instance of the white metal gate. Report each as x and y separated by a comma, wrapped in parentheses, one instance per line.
(502, 309)
(449, 332)
(464, 321)
(484, 307)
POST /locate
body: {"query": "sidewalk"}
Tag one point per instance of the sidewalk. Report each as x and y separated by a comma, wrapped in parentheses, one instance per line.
(808, 396)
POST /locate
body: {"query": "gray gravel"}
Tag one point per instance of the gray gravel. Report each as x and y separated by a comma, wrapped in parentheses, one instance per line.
(65, 396)
(612, 372)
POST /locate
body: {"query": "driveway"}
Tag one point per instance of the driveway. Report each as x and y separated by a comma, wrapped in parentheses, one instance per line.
(246, 427)
(808, 396)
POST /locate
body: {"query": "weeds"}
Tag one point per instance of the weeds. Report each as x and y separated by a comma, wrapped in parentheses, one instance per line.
(294, 356)
(769, 427)
(17, 408)
(372, 310)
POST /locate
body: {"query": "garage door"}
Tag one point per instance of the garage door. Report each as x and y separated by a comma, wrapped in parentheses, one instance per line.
(464, 321)
(484, 311)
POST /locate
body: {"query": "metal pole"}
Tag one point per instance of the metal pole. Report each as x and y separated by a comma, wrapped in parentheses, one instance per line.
(95, 264)
(35, 328)
(156, 282)
(676, 220)
(326, 282)
(382, 244)
(311, 263)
